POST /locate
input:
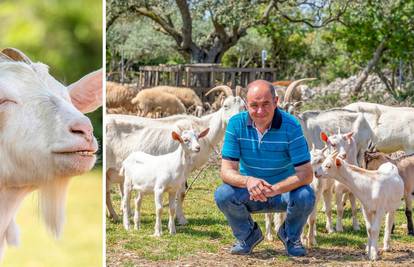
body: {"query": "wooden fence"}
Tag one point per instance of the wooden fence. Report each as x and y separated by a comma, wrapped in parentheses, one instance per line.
(201, 76)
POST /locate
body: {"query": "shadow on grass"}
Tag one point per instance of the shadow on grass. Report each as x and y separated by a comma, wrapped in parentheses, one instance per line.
(207, 221)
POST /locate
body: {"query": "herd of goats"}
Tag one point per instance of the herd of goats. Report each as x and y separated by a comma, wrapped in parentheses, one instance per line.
(156, 137)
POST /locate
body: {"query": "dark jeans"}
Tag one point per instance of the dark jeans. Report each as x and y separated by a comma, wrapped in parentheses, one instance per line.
(234, 202)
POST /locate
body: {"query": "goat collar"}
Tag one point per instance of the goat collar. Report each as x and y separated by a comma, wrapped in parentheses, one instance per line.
(276, 121)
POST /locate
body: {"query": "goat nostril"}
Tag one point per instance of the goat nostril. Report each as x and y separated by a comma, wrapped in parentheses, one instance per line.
(82, 129)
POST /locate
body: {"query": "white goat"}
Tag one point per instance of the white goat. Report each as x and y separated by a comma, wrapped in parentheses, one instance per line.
(126, 134)
(157, 174)
(405, 165)
(346, 146)
(44, 138)
(379, 191)
(391, 134)
(322, 188)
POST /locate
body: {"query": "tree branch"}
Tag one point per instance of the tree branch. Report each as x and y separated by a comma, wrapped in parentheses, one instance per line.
(371, 64)
(331, 18)
(164, 23)
(187, 28)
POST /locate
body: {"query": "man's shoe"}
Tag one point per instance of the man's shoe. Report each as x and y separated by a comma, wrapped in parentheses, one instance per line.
(245, 247)
(293, 248)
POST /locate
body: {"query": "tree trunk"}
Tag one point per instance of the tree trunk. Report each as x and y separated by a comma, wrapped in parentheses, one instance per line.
(371, 64)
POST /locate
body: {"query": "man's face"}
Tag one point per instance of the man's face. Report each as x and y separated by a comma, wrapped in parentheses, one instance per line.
(261, 105)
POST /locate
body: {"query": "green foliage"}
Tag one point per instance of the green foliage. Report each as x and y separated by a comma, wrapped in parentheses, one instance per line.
(138, 42)
(248, 50)
(66, 35)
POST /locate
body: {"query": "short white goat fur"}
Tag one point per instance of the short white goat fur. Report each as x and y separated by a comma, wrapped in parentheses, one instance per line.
(159, 174)
(379, 191)
(44, 139)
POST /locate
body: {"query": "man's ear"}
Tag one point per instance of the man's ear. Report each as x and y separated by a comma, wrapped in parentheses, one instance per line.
(86, 94)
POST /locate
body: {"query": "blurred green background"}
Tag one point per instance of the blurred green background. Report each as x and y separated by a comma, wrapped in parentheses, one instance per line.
(67, 36)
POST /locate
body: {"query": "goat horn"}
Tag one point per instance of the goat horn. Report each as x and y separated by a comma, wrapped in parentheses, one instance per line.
(16, 55)
(335, 154)
(224, 88)
(238, 90)
(291, 88)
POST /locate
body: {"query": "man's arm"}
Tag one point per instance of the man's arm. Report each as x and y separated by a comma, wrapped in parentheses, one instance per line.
(304, 176)
(230, 175)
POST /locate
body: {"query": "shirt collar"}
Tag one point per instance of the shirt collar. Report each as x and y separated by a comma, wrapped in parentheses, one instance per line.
(276, 121)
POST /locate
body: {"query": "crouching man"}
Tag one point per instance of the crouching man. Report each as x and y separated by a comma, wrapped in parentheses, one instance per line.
(265, 168)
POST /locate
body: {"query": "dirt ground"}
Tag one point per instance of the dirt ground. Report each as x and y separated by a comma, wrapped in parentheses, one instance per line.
(335, 256)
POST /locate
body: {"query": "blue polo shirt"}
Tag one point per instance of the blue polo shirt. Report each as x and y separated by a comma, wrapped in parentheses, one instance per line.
(273, 158)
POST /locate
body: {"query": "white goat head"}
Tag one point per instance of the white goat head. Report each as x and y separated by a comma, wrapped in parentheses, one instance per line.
(44, 138)
(189, 139)
(339, 142)
(317, 156)
(329, 166)
(231, 104)
(43, 135)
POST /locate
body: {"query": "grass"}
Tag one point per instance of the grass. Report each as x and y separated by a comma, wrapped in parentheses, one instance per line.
(81, 242)
(208, 232)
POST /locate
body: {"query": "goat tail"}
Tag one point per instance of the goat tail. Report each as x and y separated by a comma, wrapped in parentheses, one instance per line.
(52, 201)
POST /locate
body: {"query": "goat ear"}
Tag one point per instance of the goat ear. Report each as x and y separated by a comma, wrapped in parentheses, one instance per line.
(338, 162)
(324, 137)
(349, 135)
(86, 94)
(176, 137)
(203, 133)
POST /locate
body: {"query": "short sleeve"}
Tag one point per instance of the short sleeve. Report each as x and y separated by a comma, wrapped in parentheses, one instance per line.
(231, 145)
(298, 147)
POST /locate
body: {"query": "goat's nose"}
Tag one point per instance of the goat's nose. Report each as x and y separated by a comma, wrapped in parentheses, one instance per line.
(197, 148)
(83, 129)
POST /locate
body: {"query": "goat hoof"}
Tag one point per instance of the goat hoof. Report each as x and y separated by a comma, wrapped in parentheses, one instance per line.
(182, 221)
(411, 233)
(157, 234)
